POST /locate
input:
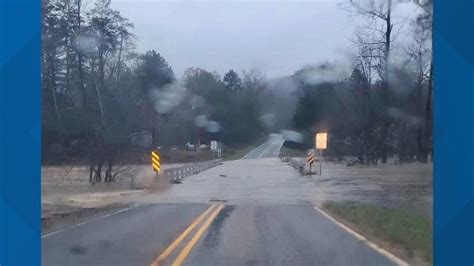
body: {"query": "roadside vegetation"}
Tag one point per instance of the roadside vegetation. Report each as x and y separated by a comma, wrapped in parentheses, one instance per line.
(381, 106)
(101, 97)
(394, 229)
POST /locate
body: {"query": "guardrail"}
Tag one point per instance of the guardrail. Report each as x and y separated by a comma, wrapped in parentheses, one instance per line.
(177, 174)
(297, 163)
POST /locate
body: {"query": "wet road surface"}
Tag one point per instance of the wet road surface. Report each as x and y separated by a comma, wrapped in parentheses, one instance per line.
(244, 212)
(279, 235)
(131, 237)
(270, 148)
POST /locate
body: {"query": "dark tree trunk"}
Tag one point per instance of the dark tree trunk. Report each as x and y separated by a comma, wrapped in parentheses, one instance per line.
(52, 73)
(429, 113)
(81, 80)
(92, 173)
(119, 68)
(386, 97)
(98, 175)
(79, 58)
(421, 138)
(108, 172)
(68, 66)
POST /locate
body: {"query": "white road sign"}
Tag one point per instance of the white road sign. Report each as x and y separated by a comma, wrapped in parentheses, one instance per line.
(321, 141)
(213, 145)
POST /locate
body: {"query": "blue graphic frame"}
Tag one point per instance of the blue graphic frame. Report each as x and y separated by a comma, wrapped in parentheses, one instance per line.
(20, 110)
(453, 133)
(20, 132)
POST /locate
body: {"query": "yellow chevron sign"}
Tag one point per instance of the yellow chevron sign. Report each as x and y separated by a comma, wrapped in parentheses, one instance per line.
(155, 161)
(310, 157)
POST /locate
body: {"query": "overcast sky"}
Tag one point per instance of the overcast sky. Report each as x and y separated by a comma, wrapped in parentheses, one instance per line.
(275, 37)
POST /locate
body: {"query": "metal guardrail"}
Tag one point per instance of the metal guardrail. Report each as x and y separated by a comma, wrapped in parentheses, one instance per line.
(187, 170)
(298, 164)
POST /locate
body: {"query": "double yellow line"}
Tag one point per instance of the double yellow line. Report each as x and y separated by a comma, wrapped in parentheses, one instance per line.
(214, 209)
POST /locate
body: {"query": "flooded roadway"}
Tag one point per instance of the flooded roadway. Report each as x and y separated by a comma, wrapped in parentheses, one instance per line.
(271, 181)
(261, 214)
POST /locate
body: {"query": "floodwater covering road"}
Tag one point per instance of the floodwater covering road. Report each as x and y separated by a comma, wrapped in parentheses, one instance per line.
(256, 211)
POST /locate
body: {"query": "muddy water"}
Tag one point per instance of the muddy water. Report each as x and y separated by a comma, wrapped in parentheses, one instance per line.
(401, 186)
(63, 187)
(271, 181)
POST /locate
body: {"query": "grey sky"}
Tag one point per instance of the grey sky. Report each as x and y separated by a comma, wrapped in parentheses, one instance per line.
(275, 37)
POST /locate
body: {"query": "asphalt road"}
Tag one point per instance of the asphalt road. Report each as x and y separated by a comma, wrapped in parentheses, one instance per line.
(131, 237)
(244, 212)
(269, 149)
(279, 235)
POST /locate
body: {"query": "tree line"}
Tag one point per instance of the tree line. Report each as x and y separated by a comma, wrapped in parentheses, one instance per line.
(383, 107)
(97, 90)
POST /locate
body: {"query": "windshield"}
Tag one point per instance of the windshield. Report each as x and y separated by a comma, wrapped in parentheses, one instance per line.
(236, 132)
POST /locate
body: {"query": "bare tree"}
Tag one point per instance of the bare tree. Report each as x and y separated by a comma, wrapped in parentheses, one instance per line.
(53, 36)
(420, 56)
(376, 38)
(425, 27)
(78, 52)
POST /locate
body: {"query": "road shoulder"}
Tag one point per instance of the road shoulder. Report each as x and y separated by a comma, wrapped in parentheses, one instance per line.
(403, 237)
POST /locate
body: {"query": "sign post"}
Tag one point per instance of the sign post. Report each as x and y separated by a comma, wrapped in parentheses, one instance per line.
(155, 161)
(321, 144)
(214, 149)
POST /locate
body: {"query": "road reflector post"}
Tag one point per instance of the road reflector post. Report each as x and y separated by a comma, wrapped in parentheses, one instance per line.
(310, 159)
(321, 143)
(155, 161)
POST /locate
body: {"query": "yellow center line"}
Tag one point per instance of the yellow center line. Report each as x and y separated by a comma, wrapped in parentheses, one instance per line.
(187, 249)
(180, 238)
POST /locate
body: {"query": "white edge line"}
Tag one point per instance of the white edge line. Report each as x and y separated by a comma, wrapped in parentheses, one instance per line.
(279, 148)
(261, 155)
(86, 222)
(372, 245)
(246, 155)
(270, 146)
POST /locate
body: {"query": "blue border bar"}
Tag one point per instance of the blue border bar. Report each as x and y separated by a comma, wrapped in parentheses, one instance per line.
(20, 132)
(453, 189)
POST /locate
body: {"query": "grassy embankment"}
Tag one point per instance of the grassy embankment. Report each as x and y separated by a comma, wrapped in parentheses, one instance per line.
(406, 233)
